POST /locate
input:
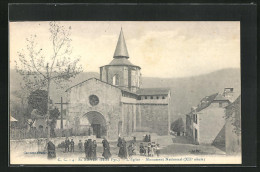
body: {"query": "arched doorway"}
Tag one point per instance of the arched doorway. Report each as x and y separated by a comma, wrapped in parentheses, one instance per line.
(97, 122)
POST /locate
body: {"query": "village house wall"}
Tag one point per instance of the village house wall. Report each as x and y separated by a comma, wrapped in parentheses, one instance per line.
(211, 121)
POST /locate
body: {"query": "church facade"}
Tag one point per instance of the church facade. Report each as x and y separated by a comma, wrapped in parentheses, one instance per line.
(115, 104)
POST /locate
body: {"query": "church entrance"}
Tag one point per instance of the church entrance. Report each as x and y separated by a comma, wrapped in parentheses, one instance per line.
(96, 130)
(97, 123)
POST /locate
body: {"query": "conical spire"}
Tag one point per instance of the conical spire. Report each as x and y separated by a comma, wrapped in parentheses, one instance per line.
(121, 50)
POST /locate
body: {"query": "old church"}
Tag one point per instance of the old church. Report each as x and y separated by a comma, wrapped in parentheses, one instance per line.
(116, 104)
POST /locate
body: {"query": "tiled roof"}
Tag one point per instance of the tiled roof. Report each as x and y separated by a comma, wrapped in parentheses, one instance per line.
(153, 91)
(206, 101)
(121, 62)
(237, 102)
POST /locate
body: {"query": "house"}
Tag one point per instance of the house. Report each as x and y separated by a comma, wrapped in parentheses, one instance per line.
(233, 127)
(205, 122)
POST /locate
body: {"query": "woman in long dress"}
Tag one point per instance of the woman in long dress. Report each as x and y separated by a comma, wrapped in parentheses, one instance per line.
(106, 149)
(123, 151)
(94, 150)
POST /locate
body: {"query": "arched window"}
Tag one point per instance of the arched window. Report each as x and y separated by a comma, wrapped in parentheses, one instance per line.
(116, 80)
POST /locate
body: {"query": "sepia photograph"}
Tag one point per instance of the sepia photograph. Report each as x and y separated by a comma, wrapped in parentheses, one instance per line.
(124, 92)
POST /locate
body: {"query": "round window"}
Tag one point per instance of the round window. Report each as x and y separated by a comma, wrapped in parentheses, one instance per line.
(93, 100)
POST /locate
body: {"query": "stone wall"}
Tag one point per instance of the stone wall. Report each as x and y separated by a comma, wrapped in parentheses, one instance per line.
(39, 145)
(154, 118)
(128, 119)
(233, 140)
(109, 103)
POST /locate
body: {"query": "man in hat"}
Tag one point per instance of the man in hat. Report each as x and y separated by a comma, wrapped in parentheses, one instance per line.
(67, 142)
(72, 145)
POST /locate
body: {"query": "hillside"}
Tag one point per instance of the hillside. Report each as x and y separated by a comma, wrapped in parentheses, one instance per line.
(185, 92)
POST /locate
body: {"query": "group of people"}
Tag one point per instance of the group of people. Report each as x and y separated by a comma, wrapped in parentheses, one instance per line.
(90, 148)
(69, 145)
(147, 148)
(150, 150)
(147, 138)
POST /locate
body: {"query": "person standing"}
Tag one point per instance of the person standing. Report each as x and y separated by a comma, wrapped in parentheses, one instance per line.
(72, 145)
(94, 150)
(130, 149)
(157, 150)
(51, 150)
(67, 144)
(123, 151)
(119, 144)
(106, 149)
(142, 150)
(149, 138)
(80, 145)
(86, 148)
(149, 149)
(89, 149)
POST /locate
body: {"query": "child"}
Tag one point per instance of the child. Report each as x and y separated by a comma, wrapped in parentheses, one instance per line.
(80, 145)
(149, 149)
(152, 148)
(157, 150)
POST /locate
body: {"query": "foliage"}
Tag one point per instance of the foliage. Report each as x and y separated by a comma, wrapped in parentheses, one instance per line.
(37, 69)
(177, 125)
(233, 112)
(54, 114)
(38, 100)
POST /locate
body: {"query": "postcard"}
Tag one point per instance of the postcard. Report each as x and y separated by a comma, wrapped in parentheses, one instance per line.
(125, 92)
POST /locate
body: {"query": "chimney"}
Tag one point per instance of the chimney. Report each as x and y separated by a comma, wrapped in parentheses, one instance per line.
(193, 109)
(228, 93)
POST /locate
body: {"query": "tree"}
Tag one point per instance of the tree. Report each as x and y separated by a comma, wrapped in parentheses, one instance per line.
(38, 100)
(39, 70)
(54, 115)
(177, 125)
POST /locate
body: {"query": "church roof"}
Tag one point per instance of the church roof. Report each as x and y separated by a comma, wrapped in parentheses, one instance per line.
(121, 50)
(153, 91)
(121, 62)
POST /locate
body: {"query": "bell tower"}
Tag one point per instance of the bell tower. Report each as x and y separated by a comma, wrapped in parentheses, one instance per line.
(120, 71)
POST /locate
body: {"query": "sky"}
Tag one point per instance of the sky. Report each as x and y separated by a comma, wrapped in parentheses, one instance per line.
(161, 48)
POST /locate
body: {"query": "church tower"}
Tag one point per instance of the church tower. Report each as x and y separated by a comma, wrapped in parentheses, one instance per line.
(120, 71)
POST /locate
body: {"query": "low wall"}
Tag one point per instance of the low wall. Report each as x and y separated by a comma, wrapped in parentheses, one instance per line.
(39, 145)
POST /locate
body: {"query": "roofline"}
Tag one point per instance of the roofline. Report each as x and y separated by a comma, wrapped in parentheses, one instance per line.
(115, 87)
(121, 65)
(88, 80)
(102, 82)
